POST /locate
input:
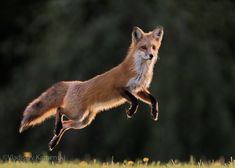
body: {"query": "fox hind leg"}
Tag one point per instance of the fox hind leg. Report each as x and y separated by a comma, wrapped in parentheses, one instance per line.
(58, 130)
(58, 121)
(87, 120)
(56, 139)
(77, 124)
(68, 124)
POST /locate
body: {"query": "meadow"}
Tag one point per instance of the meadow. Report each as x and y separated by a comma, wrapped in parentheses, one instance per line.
(125, 164)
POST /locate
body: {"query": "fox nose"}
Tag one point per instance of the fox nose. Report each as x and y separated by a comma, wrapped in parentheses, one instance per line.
(150, 56)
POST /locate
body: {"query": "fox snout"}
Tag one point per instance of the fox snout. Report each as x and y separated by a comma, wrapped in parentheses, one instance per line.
(150, 55)
(147, 56)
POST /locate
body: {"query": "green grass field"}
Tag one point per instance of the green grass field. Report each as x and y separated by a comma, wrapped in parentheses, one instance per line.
(127, 164)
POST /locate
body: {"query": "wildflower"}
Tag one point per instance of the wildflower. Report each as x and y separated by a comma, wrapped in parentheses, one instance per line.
(146, 160)
(130, 163)
(27, 155)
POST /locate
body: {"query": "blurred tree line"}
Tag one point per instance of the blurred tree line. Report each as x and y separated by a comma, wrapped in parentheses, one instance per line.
(42, 42)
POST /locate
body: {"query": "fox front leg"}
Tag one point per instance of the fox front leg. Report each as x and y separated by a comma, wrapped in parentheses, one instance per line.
(146, 97)
(133, 102)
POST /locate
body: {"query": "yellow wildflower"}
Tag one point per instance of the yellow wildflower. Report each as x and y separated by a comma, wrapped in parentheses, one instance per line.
(130, 163)
(27, 155)
(145, 159)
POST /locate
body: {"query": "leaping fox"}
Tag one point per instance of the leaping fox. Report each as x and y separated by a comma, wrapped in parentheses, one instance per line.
(80, 101)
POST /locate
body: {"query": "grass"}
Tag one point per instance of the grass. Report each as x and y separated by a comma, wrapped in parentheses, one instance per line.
(126, 164)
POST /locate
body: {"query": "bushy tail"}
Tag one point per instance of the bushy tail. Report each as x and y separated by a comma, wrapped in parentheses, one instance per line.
(44, 106)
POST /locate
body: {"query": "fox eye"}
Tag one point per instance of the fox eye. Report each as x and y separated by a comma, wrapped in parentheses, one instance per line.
(143, 47)
(154, 47)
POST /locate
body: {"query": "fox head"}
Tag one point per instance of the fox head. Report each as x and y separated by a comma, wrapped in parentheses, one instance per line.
(145, 46)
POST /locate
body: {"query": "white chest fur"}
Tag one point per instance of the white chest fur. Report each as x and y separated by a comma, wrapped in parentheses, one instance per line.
(143, 78)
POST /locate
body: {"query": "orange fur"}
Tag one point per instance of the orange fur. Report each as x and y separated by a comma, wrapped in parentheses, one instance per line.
(85, 99)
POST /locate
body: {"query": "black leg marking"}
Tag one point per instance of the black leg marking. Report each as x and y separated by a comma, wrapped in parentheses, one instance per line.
(58, 123)
(133, 102)
(146, 97)
(53, 142)
(58, 130)
(154, 107)
(56, 139)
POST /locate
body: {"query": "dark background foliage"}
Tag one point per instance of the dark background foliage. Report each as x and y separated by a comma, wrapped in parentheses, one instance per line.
(42, 42)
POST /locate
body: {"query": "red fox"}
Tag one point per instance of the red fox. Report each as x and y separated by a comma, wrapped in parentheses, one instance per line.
(80, 101)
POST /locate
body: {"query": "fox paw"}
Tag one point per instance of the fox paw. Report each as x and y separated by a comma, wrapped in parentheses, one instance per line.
(129, 114)
(54, 141)
(131, 111)
(154, 115)
(154, 112)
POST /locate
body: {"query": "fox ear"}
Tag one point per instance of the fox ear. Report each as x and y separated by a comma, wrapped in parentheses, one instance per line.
(158, 33)
(137, 34)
